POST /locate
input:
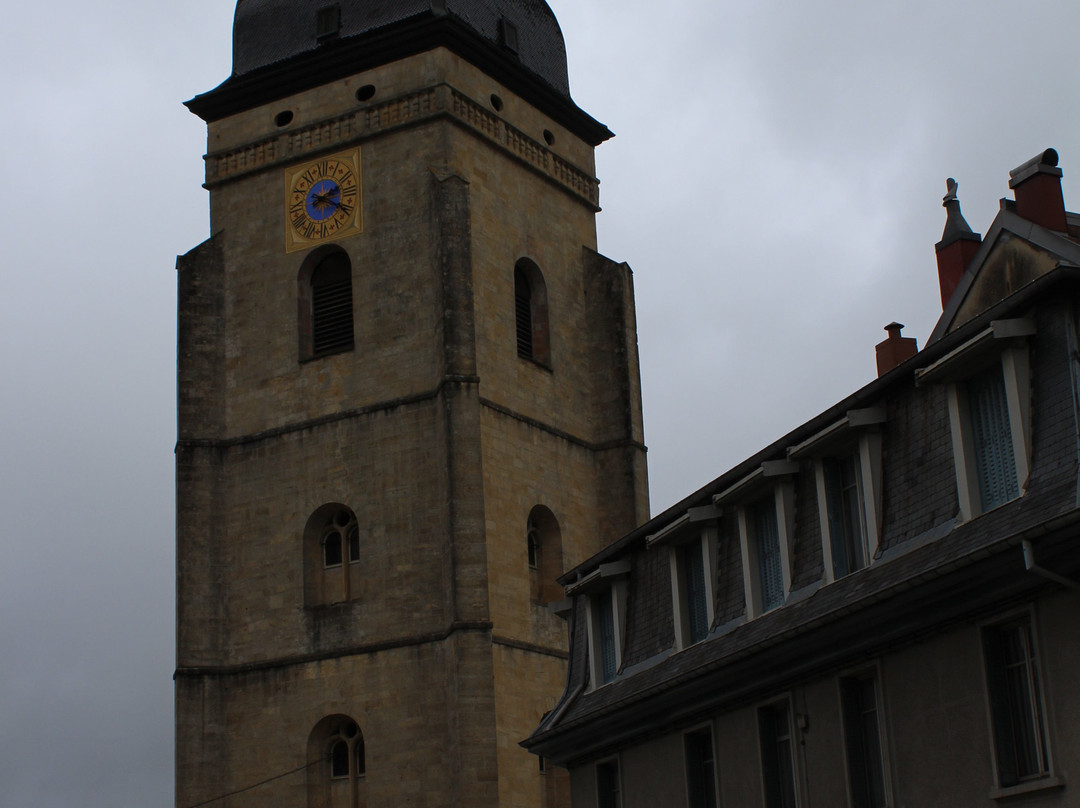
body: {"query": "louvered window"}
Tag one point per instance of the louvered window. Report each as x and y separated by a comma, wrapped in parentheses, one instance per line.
(531, 313)
(331, 306)
(770, 569)
(992, 441)
(693, 572)
(523, 314)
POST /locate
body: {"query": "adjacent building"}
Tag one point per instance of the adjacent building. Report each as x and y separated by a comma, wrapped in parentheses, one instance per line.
(881, 607)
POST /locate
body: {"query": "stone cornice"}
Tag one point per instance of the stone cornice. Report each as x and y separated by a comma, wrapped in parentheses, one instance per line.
(440, 101)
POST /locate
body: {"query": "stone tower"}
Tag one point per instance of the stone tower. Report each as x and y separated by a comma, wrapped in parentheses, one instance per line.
(408, 400)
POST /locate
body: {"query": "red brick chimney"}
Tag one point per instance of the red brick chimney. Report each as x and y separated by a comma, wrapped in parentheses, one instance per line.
(1037, 185)
(895, 349)
(957, 247)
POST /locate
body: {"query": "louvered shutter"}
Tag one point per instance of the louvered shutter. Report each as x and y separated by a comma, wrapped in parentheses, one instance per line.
(523, 314)
(331, 306)
(992, 439)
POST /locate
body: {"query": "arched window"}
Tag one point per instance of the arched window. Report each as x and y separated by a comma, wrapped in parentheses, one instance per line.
(336, 764)
(531, 313)
(332, 555)
(325, 303)
(543, 543)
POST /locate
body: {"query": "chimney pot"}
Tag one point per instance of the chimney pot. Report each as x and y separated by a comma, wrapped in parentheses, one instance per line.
(895, 349)
(1037, 186)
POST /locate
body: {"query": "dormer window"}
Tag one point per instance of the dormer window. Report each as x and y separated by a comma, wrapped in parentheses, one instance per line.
(328, 22)
(847, 470)
(993, 454)
(988, 381)
(508, 35)
(691, 542)
(766, 515)
(605, 614)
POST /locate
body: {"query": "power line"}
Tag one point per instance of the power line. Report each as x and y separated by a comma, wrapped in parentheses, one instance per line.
(254, 785)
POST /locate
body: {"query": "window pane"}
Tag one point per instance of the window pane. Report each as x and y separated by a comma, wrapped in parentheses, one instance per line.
(608, 793)
(1015, 706)
(768, 552)
(332, 549)
(863, 742)
(844, 502)
(606, 624)
(778, 766)
(693, 569)
(533, 542)
(339, 759)
(992, 439)
(354, 543)
(700, 770)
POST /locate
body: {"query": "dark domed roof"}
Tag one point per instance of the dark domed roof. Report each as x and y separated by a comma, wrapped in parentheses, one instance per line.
(267, 32)
(279, 49)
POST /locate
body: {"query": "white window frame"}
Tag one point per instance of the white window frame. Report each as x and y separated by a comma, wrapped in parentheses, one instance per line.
(858, 433)
(697, 525)
(606, 581)
(1002, 342)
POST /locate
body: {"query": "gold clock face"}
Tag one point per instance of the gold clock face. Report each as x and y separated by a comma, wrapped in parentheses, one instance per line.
(323, 200)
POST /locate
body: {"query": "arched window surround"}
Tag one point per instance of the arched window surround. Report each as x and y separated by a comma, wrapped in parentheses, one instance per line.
(532, 332)
(325, 306)
(543, 546)
(336, 758)
(333, 551)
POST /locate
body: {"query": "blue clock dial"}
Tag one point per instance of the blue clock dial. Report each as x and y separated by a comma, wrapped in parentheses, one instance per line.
(322, 200)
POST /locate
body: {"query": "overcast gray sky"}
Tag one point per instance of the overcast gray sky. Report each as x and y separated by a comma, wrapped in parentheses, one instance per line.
(775, 184)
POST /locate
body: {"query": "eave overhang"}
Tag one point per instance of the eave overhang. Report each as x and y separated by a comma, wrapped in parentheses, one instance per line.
(338, 59)
(760, 658)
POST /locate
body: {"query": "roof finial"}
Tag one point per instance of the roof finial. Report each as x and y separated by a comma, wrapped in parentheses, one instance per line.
(950, 185)
(955, 224)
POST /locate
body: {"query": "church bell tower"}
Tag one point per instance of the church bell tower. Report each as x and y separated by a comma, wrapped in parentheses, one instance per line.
(408, 401)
